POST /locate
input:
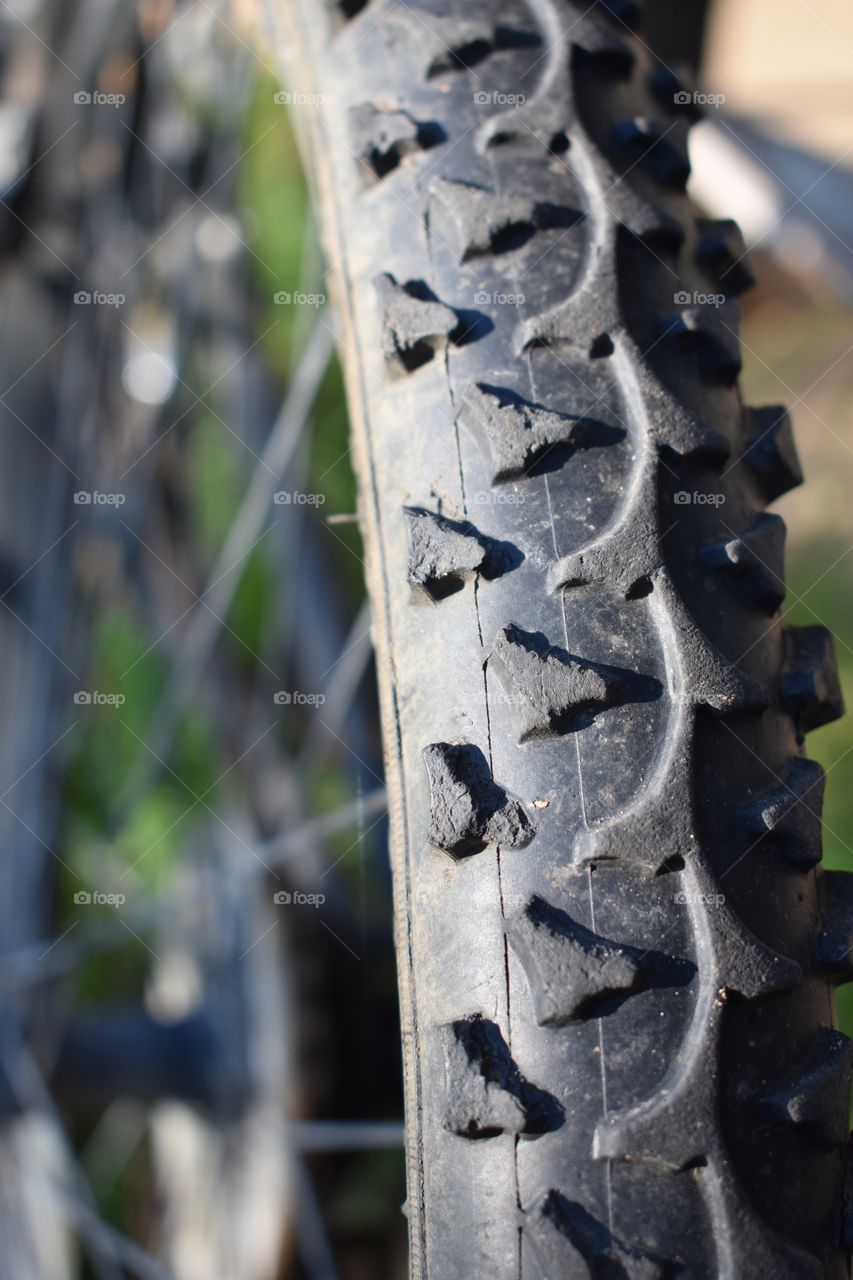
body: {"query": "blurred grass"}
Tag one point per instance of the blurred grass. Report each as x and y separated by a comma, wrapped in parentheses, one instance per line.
(282, 237)
(795, 353)
(275, 211)
(131, 645)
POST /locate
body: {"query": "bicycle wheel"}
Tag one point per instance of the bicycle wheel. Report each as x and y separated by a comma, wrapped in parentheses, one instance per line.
(615, 978)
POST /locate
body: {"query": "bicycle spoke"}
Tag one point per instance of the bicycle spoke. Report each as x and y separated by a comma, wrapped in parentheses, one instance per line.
(315, 1136)
(198, 900)
(113, 1247)
(341, 692)
(290, 844)
(189, 666)
(312, 1238)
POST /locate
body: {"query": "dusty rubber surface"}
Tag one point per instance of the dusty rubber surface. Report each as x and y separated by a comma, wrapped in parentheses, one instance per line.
(615, 950)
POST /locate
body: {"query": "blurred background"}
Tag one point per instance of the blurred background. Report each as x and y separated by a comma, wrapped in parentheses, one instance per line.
(199, 1058)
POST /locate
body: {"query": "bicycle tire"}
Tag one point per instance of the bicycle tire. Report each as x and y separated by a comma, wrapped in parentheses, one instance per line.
(615, 953)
